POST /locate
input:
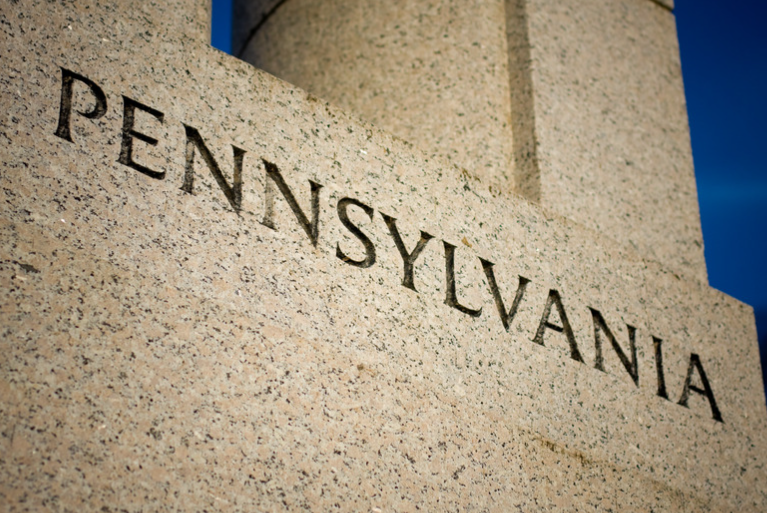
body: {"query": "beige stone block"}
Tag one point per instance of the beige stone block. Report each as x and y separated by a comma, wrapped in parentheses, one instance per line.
(613, 149)
(129, 21)
(581, 108)
(167, 349)
(433, 73)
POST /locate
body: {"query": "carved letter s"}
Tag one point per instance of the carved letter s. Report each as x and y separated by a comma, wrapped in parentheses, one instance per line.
(370, 249)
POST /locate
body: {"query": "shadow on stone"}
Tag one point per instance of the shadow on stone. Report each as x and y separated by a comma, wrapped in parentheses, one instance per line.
(761, 331)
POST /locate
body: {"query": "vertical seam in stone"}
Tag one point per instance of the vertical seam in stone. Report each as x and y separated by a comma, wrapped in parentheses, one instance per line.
(264, 18)
(527, 174)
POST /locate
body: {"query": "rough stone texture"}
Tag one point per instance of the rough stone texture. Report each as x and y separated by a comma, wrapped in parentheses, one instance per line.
(585, 97)
(131, 21)
(433, 73)
(613, 146)
(162, 352)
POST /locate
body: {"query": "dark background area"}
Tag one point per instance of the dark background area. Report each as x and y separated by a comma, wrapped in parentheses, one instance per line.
(724, 62)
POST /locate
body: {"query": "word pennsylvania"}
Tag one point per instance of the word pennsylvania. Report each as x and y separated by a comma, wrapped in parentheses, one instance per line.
(696, 381)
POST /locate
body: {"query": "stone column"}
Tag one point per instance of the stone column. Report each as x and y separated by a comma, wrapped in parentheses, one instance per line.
(607, 112)
(432, 72)
(577, 105)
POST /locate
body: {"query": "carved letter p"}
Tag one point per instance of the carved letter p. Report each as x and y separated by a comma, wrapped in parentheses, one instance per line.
(65, 108)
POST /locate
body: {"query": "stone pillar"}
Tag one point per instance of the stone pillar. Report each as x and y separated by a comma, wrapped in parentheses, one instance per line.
(432, 72)
(577, 104)
(610, 124)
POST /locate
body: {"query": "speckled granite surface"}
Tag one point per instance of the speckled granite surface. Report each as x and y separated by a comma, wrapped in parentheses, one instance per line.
(166, 350)
(578, 105)
(613, 148)
(433, 73)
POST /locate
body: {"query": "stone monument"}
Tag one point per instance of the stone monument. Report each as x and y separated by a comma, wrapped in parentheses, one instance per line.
(454, 263)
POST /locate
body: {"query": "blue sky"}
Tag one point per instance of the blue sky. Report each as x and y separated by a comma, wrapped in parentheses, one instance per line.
(724, 63)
